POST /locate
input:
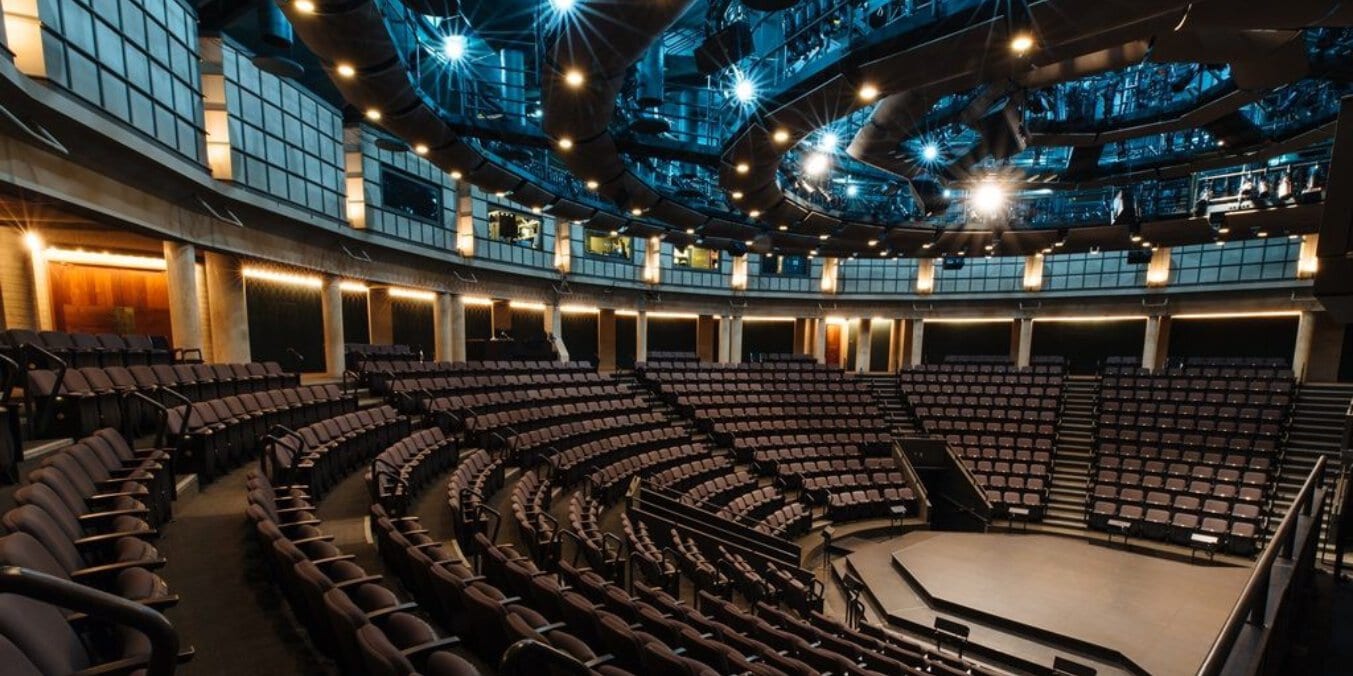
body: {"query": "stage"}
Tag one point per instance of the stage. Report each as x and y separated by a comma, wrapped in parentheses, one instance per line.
(1036, 596)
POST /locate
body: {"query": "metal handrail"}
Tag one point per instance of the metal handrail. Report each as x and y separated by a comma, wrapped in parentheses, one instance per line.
(529, 656)
(42, 419)
(1252, 606)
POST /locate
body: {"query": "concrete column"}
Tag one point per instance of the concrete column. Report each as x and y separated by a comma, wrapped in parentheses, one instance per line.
(441, 326)
(735, 339)
(641, 336)
(1156, 346)
(501, 316)
(185, 315)
(1024, 342)
(606, 340)
(863, 345)
(228, 310)
(801, 336)
(820, 339)
(554, 329)
(457, 327)
(725, 339)
(1301, 353)
(332, 307)
(917, 338)
(380, 316)
(843, 354)
(897, 345)
(706, 338)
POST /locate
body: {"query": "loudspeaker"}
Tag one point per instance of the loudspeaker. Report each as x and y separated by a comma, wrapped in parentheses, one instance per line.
(728, 46)
(1138, 256)
(953, 263)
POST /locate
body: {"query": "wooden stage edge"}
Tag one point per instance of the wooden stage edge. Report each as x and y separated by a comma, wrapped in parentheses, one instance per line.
(1032, 597)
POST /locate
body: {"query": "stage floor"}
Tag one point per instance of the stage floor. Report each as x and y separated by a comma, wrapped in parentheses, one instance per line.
(1162, 615)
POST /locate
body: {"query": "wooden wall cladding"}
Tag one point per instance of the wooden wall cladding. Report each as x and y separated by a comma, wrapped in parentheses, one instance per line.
(92, 299)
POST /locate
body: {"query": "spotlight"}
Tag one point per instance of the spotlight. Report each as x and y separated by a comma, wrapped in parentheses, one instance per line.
(1021, 43)
(562, 6)
(454, 46)
(565, 143)
(346, 70)
(781, 136)
(868, 92)
(930, 152)
(828, 141)
(816, 164)
(574, 78)
(988, 198)
(744, 89)
(304, 6)
(373, 115)
(852, 190)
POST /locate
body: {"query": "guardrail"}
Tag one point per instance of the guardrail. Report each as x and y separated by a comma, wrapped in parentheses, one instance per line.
(1252, 608)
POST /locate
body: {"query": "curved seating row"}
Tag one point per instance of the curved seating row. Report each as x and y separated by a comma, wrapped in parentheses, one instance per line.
(319, 455)
(401, 470)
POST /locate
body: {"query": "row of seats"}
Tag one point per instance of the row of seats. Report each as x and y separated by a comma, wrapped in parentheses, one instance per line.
(477, 476)
(411, 394)
(1234, 526)
(389, 377)
(319, 455)
(83, 349)
(209, 436)
(400, 471)
(460, 410)
(358, 622)
(573, 464)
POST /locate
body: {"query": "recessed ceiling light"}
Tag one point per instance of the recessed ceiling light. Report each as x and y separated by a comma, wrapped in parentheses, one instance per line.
(783, 227)
(781, 136)
(304, 6)
(454, 46)
(593, 185)
(1021, 43)
(615, 233)
(737, 194)
(823, 237)
(1136, 238)
(754, 213)
(574, 78)
(743, 167)
(748, 242)
(565, 143)
(1223, 230)
(637, 211)
(373, 115)
(535, 210)
(873, 242)
(456, 175)
(1261, 233)
(421, 149)
(869, 92)
(500, 193)
(690, 231)
(346, 70)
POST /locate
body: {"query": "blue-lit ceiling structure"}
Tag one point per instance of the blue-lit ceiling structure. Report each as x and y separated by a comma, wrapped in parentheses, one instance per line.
(863, 127)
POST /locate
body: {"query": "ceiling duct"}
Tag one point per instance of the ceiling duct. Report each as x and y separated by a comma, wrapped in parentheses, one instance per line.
(650, 76)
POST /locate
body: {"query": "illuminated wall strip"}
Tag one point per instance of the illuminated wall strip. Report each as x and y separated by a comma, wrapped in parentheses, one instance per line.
(738, 279)
(526, 305)
(830, 267)
(1158, 270)
(103, 259)
(413, 294)
(216, 117)
(970, 320)
(925, 276)
(563, 245)
(1092, 320)
(477, 300)
(765, 318)
(1238, 315)
(1033, 272)
(355, 185)
(23, 35)
(1307, 262)
(464, 220)
(652, 272)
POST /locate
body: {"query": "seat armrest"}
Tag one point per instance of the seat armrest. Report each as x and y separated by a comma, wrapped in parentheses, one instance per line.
(359, 581)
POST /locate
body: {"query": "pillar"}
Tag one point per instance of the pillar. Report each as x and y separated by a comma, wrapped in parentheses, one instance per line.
(735, 339)
(725, 339)
(380, 316)
(501, 316)
(1301, 353)
(331, 304)
(820, 339)
(185, 315)
(863, 345)
(554, 330)
(441, 326)
(917, 338)
(1156, 346)
(1326, 349)
(641, 336)
(705, 338)
(897, 345)
(457, 328)
(1024, 341)
(606, 340)
(227, 309)
(801, 336)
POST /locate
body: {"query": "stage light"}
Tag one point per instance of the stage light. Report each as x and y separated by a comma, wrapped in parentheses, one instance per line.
(373, 115)
(852, 190)
(988, 198)
(744, 89)
(574, 78)
(346, 70)
(930, 152)
(565, 143)
(454, 46)
(816, 164)
(304, 6)
(868, 92)
(563, 6)
(828, 141)
(1021, 43)
(781, 136)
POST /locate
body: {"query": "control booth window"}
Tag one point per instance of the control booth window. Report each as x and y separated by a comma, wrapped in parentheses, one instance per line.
(611, 245)
(795, 266)
(514, 227)
(410, 196)
(696, 258)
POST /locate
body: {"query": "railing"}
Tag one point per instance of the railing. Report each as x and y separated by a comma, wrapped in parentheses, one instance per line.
(1252, 608)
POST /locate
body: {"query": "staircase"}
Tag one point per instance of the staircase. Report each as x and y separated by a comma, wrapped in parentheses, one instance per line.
(891, 403)
(1071, 457)
(1315, 429)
